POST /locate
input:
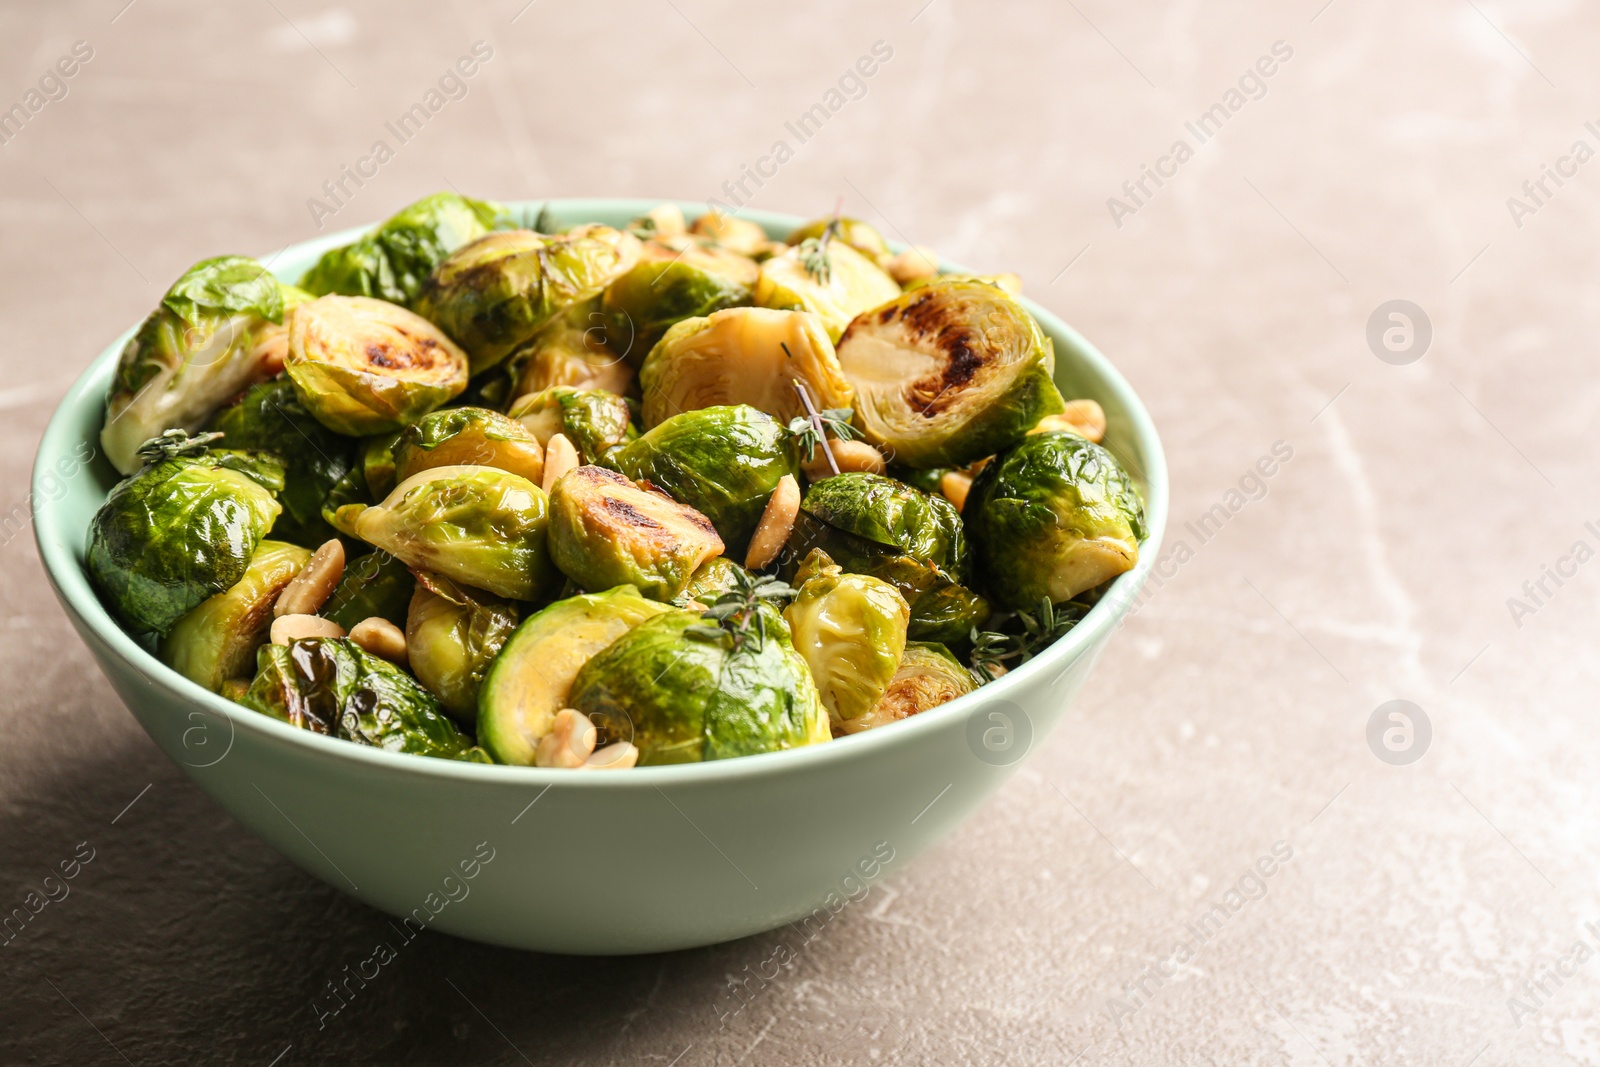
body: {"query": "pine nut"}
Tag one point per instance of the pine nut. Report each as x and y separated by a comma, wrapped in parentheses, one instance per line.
(955, 486)
(287, 629)
(315, 583)
(850, 455)
(1086, 418)
(569, 743)
(617, 757)
(669, 220)
(559, 458)
(776, 521)
(915, 262)
(380, 637)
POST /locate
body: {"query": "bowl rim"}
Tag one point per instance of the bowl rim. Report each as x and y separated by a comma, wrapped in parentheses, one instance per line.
(72, 587)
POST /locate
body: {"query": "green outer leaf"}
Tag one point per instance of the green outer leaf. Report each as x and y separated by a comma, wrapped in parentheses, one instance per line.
(225, 285)
(172, 535)
(392, 261)
(374, 585)
(331, 686)
(722, 461)
(922, 525)
(594, 420)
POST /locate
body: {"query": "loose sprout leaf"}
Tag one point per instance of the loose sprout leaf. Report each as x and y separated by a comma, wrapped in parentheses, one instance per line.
(228, 285)
(174, 443)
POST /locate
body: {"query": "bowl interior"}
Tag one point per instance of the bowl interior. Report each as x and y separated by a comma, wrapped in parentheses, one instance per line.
(71, 480)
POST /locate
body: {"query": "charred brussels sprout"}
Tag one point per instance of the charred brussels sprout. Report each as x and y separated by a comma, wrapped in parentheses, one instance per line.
(606, 531)
(452, 635)
(218, 329)
(376, 585)
(392, 261)
(217, 641)
(363, 366)
(1053, 517)
(571, 351)
(892, 513)
(181, 529)
(949, 373)
(685, 696)
(531, 679)
(850, 629)
(594, 420)
(479, 526)
(861, 236)
(500, 290)
(827, 277)
(928, 676)
(743, 356)
(330, 686)
(270, 416)
(722, 461)
(684, 280)
(468, 437)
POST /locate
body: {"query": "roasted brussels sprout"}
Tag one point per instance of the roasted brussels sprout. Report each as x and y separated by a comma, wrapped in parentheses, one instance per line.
(392, 261)
(571, 351)
(734, 234)
(672, 282)
(710, 580)
(363, 366)
(217, 641)
(861, 236)
(606, 531)
(686, 696)
(1053, 517)
(452, 635)
(531, 679)
(743, 356)
(827, 277)
(181, 529)
(217, 331)
(928, 676)
(497, 292)
(594, 420)
(850, 629)
(479, 526)
(722, 461)
(949, 373)
(376, 585)
(880, 509)
(330, 686)
(458, 437)
(271, 417)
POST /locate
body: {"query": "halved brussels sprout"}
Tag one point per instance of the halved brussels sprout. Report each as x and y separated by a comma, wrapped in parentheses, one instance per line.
(949, 373)
(684, 698)
(531, 679)
(829, 278)
(861, 236)
(850, 629)
(217, 641)
(710, 580)
(452, 635)
(735, 234)
(594, 420)
(928, 676)
(571, 351)
(392, 261)
(479, 526)
(331, 686)
(217, 331)
(458, 437)
(606, 531)
(497, 292)
(376, 585)
(889, 512)
(743, 356)
(942, 609)
(671, 282)
(723, 461)
(1053, 517)
(270, 416)
(363, 366)
(182, 528)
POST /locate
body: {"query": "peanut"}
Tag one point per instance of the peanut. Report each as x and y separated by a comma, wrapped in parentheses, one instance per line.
(617, 757)
(772, 533)
(559, 458)
(315, 583)
(569, 743)
(1085, 418)
(287, 629)
(380, 637)
(916, 262)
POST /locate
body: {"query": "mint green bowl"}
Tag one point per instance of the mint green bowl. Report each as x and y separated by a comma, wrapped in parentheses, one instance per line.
(644, 861)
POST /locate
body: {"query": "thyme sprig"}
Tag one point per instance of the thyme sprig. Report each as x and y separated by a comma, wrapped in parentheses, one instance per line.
(730, 616)
(171, 444)
(814, 251)
(996, 651)
(815, 427)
